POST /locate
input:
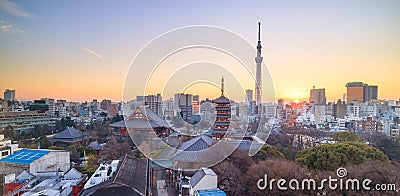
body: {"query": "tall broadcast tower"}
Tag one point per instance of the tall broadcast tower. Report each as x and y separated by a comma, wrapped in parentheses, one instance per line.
(259, 59)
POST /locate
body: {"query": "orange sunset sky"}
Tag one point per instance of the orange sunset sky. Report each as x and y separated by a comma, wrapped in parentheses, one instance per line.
(81, 51)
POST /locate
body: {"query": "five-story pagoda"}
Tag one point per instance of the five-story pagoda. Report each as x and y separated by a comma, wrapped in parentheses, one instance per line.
(223, 108)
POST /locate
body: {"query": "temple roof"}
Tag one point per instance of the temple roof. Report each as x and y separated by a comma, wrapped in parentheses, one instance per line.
(142, 118)
(201, 142)
(194, 150)
(221, 99)
(95, 145)
(68, 133)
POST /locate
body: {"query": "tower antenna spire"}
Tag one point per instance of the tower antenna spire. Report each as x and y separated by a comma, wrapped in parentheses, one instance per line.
(259, 31)
(222, 85)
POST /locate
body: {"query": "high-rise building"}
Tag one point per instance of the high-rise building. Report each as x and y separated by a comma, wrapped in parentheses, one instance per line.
(3, 105)
(139, 98)
(259, 60)
(270, 110)
(370, 93)
(9, 95)
(317, 96)
(72, 108)
(183, 102)
(60, 110)
(105, 104)
(249, 95)
(39, 105)
(369, 125)
(355, 92)
(169, 104)
(84, 110)
(339, 109)
(50, 102)
(112, 110)
(24, 121)
(249, 100)
(207, 109)
(196, 104)
(94, 105)
(168, 107)
(358, 91)
(281, 103)
(62, 101)
(154, 102)
(353, 110)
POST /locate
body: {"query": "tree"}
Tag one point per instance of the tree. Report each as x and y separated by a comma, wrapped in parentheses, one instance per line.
(103, 129)
(37, 131)
(91, 165)
(229, 178)
(117, 118)
(56, 148)
(60, 124)
(90, 126)
(389, 147)
(69, 122)
(241, 159)
(44, 142)
(231, 170)
(93, 135)
(74, 154)
(346, 136)
(9, 133)
(284, 144)
(333, 156)
(115, 149)
(268, 152)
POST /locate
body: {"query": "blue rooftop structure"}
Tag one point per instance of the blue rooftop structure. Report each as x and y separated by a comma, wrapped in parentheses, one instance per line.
(213, 192)
(25, 156)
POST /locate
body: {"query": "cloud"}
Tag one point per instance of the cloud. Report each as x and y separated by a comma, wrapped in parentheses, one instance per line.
(96, 54)
(13, 8)
(6, 28)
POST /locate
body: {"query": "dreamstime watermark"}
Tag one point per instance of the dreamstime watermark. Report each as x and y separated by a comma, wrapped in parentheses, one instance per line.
(332, 183)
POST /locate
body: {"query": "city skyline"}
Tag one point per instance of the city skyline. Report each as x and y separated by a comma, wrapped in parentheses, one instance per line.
(196, 93)
(82, 56)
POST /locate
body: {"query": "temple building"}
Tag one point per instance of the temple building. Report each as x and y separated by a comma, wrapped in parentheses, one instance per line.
(70, 135)
(223, 109)
(143, 119)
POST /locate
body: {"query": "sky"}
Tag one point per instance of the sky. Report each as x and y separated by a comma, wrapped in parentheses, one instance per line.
(82, 50)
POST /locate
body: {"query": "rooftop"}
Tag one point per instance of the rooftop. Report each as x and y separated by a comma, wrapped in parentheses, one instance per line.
(68, 133)
(221, 99)
(213, 192)
(95, 145)
(201, 142)
(130, 179)
(142, 118)
(200, 175)
(25, 156)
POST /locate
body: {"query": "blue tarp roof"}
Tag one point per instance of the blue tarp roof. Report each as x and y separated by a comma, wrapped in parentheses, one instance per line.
(213, 192)
(25, 156)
